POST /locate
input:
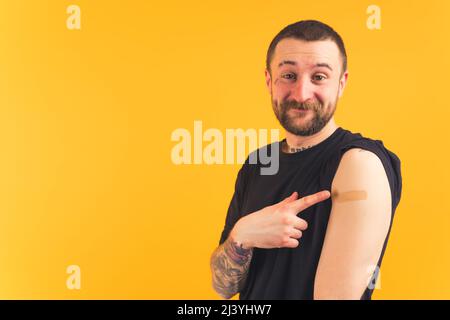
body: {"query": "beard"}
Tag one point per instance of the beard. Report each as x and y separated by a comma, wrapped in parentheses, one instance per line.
(290, 121)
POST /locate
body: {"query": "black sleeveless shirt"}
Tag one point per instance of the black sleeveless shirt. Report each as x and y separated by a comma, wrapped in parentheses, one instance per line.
(289, 273)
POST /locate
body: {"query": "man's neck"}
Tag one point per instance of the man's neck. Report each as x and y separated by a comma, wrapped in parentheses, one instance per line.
(299, 142)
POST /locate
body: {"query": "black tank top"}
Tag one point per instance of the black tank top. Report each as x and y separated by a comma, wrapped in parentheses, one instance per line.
(287, 273)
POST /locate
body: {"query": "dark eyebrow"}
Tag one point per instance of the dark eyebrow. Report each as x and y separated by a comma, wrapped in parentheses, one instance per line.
(320, 64)
(287, 62)
(323, 64)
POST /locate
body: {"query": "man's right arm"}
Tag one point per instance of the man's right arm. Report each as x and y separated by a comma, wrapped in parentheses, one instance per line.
(274, 226)
(229, 266)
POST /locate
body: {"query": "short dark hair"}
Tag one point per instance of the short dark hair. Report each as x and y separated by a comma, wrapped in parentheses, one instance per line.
(308, 30)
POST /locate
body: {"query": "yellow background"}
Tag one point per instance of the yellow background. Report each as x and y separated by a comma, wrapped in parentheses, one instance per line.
(86, 116)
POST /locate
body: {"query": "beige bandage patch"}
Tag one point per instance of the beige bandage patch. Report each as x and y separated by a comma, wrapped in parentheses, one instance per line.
(349, 195)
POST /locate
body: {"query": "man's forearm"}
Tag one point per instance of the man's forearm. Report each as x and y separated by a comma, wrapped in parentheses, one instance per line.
(229, 266)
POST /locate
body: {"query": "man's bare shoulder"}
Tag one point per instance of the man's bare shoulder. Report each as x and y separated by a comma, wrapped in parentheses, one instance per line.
(360, 169)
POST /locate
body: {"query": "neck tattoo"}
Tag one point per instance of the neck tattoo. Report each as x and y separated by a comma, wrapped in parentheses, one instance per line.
(290, 149)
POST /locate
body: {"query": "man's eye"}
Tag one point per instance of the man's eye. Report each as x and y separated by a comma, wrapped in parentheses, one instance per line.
(288, 76)
(319, 77)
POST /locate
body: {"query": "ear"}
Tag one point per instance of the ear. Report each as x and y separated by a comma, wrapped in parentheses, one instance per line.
(343, 83)
(268, 81)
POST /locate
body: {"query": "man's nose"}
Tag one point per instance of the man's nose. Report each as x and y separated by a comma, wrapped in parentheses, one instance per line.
(303, 91)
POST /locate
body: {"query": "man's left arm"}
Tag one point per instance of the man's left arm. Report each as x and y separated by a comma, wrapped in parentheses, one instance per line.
(357, 228)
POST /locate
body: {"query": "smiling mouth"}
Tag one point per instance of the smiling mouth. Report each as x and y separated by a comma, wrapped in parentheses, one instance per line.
(301, 110)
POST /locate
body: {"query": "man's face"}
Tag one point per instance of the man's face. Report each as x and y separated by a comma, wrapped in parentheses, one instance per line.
(305, 84)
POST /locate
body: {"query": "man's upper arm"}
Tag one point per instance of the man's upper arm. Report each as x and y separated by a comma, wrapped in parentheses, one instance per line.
(234, 209)
(357, 228)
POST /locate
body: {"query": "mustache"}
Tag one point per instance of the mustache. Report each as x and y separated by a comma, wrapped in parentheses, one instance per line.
(288, 105)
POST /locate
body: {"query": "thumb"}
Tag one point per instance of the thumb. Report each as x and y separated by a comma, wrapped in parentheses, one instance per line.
(292, 197)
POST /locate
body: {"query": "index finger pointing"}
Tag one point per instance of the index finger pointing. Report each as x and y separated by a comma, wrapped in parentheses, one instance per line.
(308, 201)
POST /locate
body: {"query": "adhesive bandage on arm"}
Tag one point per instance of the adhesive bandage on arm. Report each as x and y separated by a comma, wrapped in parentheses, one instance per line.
(346, 196)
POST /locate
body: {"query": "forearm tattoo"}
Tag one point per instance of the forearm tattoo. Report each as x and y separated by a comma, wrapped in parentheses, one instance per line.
(229, 265)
